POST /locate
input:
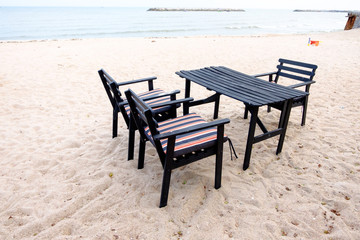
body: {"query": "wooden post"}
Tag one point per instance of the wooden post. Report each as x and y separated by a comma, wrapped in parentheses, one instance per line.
(353, 21)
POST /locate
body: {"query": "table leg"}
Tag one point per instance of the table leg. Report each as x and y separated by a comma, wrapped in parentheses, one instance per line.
(284, 119)
(250, 140)
(187, 95)
(246, 111)
(217, 103)
(282, 114)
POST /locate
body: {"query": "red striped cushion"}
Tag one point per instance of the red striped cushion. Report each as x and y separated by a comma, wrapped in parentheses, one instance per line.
(151, 93)
(189, 142)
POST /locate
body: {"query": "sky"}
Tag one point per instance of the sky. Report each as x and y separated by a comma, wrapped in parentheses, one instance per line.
(275, 4)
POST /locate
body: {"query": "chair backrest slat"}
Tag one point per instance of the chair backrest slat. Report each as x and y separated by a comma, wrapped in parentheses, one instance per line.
(141, 108)
(295, 70)
(292, 76)
(111, 88)
(143, 115)
(106, 82)
(296, 63)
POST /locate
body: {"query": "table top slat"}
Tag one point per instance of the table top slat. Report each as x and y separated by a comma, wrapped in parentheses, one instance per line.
(242, 87)
(246, 97)
(276, 88)
(258, 87)
(247, 90)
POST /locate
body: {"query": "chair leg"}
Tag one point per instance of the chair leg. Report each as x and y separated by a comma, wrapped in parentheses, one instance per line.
(304, 112)
(167, 172)
(115, 123)
(165, 186)
(131, 140)
(303, 117)
(142, 146)
(268, 109)
(219, 156)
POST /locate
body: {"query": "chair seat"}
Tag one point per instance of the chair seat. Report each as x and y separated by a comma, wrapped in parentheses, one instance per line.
(298, 100)
(190, 142)
(153, 93)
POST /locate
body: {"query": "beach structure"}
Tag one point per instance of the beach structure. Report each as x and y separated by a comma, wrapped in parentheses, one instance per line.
(353, 20)
(293, 70)
(153, 96)
(178, 141)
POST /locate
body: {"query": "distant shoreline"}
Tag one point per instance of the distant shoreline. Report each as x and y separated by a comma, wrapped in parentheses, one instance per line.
(195, 10)
(309, 10)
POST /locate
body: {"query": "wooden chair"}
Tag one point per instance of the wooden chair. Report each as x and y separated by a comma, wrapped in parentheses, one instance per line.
(178, 141)
(153, 96)
(298, 71)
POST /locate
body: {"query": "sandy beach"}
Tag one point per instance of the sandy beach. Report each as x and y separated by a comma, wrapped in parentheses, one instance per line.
(62, 176)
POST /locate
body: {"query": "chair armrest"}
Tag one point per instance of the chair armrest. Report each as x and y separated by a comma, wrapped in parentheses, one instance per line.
(192, 129)
(125, 102)
(161, 95)
(301, 84)
(264, 74)
(136, 81)
(174, 102)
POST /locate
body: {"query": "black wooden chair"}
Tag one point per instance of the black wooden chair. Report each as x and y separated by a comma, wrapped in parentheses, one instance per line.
(178, 141)
(298, 71)
(119, 104)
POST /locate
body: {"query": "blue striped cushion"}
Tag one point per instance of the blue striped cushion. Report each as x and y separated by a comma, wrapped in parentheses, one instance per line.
(154, 92)
(189, 142)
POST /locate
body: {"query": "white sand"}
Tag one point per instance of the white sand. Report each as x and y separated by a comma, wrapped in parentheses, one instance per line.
(56, 150)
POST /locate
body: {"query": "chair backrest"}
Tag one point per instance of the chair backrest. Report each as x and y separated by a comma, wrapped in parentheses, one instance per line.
(295, 70)
(109, 84)
(144, 116)
(113, 93)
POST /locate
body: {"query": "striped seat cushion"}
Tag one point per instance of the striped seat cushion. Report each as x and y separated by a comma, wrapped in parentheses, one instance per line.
(188, 142)
(153, 93)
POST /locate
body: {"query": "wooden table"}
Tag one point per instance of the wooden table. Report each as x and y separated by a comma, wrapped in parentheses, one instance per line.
(253, 92)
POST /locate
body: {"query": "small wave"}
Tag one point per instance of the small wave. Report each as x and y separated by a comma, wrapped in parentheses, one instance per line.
(243, 27)
(125, 33)
(162, 30)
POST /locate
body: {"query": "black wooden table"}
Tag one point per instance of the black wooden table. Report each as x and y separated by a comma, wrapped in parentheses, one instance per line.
(253, 92)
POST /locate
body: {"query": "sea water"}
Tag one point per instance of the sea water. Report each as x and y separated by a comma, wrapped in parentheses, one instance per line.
(40, 23)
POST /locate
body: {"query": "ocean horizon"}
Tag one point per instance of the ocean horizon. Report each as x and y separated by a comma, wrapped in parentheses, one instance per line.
(50, 23)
